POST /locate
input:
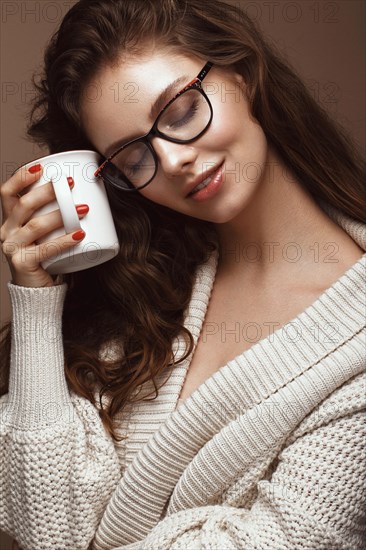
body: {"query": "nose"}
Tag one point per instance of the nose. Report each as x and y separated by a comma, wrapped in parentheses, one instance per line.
(175, 158)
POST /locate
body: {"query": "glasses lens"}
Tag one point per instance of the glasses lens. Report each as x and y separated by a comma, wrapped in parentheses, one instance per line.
(186, 117)
(134, 164)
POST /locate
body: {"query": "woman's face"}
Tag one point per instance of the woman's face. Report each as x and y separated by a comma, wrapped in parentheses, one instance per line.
(232, 153)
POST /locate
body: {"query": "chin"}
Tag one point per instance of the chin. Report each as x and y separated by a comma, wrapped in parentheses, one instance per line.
(221, 215)
(226, 213)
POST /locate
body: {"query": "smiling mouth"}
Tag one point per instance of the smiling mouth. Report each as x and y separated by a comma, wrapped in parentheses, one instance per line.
(205, 182)
(201, 185)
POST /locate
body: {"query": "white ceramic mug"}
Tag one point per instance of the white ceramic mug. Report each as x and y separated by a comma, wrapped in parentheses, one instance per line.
(100, 243)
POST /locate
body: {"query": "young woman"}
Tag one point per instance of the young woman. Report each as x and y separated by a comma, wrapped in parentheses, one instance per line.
(204, 389)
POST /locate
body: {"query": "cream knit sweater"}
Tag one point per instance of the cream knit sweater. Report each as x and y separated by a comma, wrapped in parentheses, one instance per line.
(267, 454)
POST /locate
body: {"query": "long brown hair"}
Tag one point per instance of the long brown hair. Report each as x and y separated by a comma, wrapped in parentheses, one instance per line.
(136, 302)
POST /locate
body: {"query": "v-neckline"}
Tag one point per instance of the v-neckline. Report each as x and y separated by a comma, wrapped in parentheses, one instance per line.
(263, 342)
(302, 372)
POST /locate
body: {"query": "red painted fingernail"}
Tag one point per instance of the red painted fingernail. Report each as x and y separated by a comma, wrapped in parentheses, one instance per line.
(78, 235)
(82, 209)
(35, 168)
(71, 182)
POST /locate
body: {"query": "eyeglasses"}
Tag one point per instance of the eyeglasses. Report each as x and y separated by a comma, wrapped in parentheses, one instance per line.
(184, 119)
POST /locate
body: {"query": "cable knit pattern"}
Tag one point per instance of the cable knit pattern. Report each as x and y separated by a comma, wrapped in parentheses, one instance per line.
(267, 454)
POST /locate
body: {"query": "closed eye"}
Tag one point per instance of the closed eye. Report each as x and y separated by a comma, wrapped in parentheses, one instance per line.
(187, 116)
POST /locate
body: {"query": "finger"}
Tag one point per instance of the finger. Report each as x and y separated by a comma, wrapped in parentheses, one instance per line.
(27, 259)
(29, 203)
(82, 210)
(50, 249)
(33, 230)
(38, 227)
(17, 183)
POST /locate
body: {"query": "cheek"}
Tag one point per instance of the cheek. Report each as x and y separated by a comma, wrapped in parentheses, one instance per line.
(226, 124)
(231, 123)
(238, 137)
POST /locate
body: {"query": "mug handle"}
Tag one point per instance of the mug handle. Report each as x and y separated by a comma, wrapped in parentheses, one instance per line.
(64, 199)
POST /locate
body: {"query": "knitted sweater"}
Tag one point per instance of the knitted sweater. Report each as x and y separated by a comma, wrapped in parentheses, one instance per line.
(267, 454)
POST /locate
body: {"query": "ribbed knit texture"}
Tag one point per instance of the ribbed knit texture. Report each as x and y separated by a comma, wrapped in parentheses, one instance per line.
(267, 454)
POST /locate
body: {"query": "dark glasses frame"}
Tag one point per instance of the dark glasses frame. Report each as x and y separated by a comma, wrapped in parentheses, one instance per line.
(194, 84)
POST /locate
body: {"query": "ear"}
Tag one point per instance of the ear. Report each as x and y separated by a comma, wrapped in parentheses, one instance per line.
(239, 81)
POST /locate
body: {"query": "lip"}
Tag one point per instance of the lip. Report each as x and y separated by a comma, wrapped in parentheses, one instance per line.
(202, 178)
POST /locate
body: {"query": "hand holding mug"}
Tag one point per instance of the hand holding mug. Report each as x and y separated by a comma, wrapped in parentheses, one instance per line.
(41, 233)
(20, 232)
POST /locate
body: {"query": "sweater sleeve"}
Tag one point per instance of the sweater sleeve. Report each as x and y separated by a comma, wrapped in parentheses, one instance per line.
(314, 498)
(58, 466)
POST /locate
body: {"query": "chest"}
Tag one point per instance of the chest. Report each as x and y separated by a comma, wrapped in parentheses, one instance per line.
(232, 326)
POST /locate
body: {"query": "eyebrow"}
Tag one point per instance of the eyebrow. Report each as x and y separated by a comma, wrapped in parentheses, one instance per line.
(163, 99)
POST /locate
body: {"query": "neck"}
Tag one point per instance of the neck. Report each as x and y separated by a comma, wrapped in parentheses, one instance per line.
(283, 232)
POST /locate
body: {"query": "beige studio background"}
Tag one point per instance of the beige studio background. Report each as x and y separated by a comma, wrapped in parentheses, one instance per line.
(324, 40)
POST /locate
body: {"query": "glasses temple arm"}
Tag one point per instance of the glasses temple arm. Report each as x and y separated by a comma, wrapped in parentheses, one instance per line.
(204, 71)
